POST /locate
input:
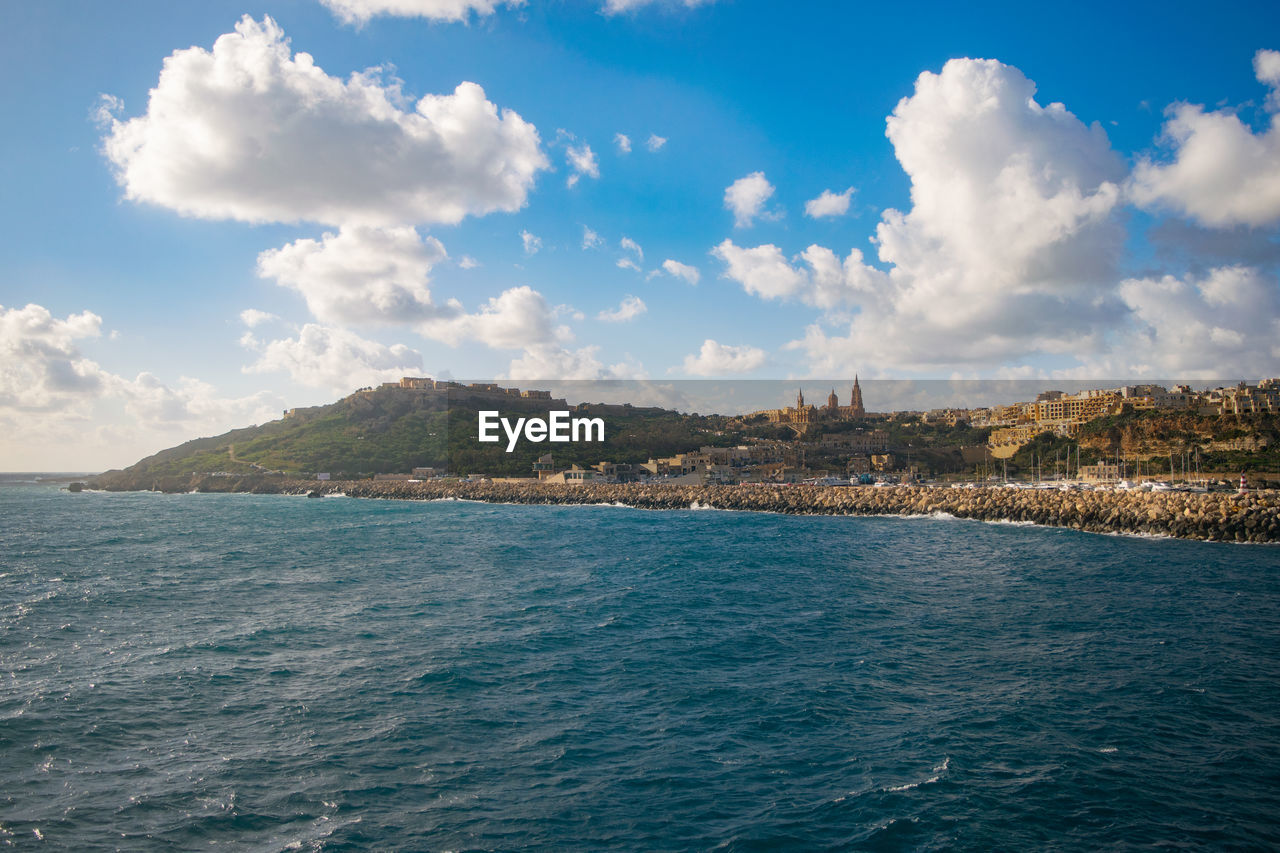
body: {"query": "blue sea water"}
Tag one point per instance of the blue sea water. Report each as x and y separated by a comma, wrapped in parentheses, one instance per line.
(276, 673)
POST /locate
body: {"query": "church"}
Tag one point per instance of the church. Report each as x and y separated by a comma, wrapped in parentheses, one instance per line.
(802, 414)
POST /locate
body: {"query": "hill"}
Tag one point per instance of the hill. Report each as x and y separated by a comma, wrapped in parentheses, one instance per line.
(393, 430)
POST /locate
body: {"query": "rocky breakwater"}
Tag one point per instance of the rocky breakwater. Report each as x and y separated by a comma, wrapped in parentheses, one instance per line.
(1254, 517)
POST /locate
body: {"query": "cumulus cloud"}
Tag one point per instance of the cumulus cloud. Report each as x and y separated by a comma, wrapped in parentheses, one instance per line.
(716, 359)
(623, 142)
(532, 242)
(517, 318)
(360, 275)
(590, 239)
(1222, 173)
(334, 359)
(468, 263)
(520, 318)
(746, 198)
(823, 280)
(654, 142)
(41, 366)
(631, 307)
(52, 398)
(1224, 324)
(684, 271)
(360, 11)
(828, 204)
(1009, 248)
(582, 160)
(251, 131)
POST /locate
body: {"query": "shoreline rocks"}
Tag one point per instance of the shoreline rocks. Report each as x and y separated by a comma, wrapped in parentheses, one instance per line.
(1214, 516)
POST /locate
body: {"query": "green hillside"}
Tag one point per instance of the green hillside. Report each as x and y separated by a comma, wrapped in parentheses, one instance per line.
(366, 433)
(397, 430)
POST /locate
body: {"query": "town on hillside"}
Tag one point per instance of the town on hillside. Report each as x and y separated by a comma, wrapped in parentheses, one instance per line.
(1165, 436)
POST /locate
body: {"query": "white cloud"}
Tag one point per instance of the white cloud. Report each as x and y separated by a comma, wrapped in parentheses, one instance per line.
(41, 367)
(746, 198)
(1009, 249)
(613, 7)
(335, 359)
(545, 361)
(590, 239)
(684, 271)
(631, 307)
(631, 263)
(1222, 173)
(55, 402)
(192, 405)
(623, 142)
(828, 204)
(106, 111)
(655, 142)
(582, 160)
(360, 275)
(550, 361)
(1266, 67)
(521, 319)
(252, 317)
(1225, 324)
(826, 283)
(532, 242)
(515, 319)
(360, 11)
(468, 262)
(249, 131)
(715, 359)
(569, 311)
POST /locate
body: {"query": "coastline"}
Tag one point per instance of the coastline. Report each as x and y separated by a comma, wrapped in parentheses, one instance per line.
(1213, 517)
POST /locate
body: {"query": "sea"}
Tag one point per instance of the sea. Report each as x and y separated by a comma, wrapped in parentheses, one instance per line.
(270, 673)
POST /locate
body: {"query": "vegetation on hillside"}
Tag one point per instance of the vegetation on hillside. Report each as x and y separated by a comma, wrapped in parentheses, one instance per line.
(395, 431)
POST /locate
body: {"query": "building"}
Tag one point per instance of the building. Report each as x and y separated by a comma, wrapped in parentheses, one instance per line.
(544, 467)
(456, 390)
(1103, 472)
(802, 415)
(1250, 399)
(575, 476)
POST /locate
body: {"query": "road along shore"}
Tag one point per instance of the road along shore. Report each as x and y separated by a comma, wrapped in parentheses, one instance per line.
(1213, 516)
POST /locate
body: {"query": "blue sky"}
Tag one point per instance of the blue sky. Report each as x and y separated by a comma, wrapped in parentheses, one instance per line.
(166, 271)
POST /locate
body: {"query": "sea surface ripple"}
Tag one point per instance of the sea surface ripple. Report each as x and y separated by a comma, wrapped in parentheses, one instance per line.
(276, 673)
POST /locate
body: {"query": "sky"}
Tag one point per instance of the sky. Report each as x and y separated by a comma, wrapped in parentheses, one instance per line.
(214, 211)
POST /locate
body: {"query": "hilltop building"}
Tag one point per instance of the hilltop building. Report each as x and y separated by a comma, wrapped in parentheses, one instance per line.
(486, 391)
(801, 414)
